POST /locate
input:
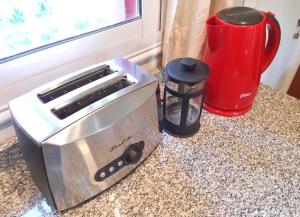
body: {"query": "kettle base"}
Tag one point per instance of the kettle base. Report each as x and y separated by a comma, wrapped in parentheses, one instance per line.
(227, 113)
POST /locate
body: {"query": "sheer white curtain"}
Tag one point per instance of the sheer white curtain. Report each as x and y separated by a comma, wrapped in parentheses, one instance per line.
(185, 26)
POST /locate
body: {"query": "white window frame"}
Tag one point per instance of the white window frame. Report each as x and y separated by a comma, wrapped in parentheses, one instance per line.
(28, 72)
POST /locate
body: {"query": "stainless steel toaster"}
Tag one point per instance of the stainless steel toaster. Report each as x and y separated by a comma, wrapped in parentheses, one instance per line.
(82, 133)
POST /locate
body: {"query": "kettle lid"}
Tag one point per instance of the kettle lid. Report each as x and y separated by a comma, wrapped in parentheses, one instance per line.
(240, 16)
(187, 70)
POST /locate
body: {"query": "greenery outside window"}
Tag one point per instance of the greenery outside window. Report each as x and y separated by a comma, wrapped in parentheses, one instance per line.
(34, 25)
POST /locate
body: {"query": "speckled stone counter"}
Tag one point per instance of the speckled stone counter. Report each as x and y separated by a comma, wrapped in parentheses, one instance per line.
(234, 166)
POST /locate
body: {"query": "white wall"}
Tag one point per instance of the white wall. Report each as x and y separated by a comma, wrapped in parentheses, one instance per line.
(281, 72)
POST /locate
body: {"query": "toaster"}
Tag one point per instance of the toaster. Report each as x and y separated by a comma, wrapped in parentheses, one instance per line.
(83, 132)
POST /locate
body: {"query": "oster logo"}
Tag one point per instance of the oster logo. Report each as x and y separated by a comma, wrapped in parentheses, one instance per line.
(243, 95)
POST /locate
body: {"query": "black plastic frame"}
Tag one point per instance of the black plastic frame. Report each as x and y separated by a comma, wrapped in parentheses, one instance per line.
(182, 130)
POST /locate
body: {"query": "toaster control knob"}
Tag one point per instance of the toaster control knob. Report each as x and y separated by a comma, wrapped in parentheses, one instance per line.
(134, 153)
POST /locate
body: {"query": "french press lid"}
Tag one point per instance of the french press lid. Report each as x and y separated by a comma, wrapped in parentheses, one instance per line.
(240, 16)
(187, 70)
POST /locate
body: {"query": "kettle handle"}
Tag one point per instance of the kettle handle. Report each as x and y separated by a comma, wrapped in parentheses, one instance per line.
(273, 40)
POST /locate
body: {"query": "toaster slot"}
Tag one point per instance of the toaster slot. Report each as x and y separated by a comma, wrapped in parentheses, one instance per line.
(90, 98)
(74, 84)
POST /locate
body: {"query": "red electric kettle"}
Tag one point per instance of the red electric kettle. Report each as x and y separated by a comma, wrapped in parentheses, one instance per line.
(237, 54)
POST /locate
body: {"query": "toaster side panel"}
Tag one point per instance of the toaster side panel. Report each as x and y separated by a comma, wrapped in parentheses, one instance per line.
(32, 152)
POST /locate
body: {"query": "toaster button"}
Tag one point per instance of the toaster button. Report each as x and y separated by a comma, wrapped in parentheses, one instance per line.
(102, 175)
(111, 169)
(120, 163)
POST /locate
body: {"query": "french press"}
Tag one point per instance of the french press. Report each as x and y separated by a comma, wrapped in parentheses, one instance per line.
(183, 96)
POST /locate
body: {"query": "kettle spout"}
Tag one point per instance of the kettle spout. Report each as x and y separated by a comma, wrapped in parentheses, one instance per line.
(214, 33)
(214, 21)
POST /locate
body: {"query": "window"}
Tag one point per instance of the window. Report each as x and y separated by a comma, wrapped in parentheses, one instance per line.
(128, 27)
(30, 26)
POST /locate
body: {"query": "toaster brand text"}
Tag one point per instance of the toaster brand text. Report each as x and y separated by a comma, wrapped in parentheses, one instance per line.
(118, 145)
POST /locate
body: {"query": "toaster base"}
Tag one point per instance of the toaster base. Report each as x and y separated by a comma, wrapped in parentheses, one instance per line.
(116, 183)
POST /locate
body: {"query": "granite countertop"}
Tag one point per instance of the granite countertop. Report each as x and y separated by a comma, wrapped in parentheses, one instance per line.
(234, 166)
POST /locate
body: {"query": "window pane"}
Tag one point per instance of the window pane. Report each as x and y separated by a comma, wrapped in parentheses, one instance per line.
(26, 25)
